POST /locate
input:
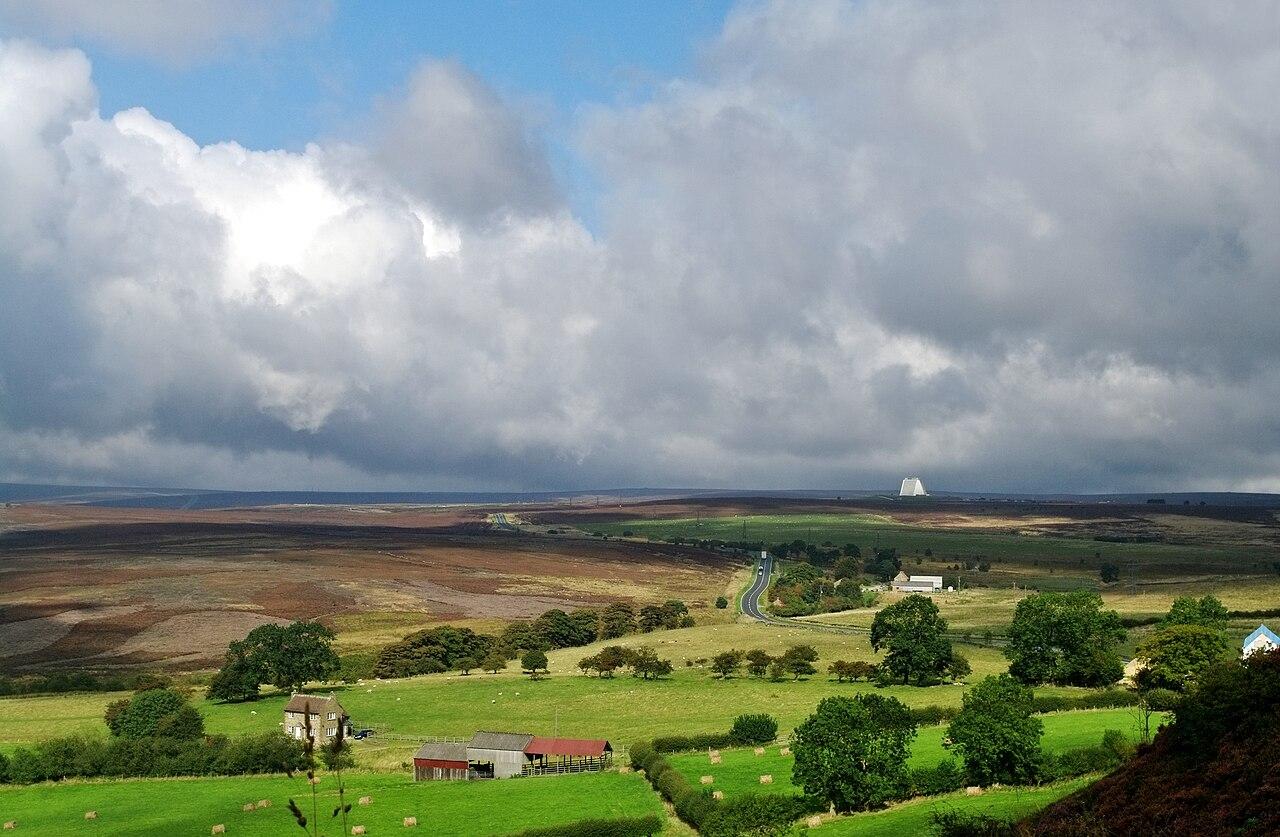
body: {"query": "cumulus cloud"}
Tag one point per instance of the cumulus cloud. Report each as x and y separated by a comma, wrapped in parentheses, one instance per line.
(174, 31)
(1009, 246)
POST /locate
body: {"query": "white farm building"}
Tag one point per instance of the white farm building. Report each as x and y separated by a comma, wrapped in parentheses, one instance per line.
(917, 583)
(912, 487)
(1262, 639)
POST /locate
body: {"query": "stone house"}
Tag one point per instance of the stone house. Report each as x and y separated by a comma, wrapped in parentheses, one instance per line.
(327, 716)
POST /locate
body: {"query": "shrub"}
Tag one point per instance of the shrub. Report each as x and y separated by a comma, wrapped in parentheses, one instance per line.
(928, 716)
(722, 602)
(1118, 744)
(953, 823)
(753, 729)
(1162, 700)
(638, 753)
(619, 827)
(686, 743)
(760, 814)
(944, 778)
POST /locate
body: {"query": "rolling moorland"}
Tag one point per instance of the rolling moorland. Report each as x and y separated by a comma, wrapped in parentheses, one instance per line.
(165, 590)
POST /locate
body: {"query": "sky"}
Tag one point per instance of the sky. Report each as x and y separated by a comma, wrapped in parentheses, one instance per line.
(1006, 246)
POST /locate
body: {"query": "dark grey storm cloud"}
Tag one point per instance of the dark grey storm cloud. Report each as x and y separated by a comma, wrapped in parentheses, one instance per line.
(1006, 245)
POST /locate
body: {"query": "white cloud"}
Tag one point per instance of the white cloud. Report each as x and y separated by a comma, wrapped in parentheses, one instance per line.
(1006, 246)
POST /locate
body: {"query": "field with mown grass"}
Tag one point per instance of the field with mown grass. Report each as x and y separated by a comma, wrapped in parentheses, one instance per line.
(740, 769)
(172, 807)
(916, 816)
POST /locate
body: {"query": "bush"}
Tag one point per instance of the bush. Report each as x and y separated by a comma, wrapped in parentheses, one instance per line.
(754, 813)
(929, 716)
(753, 729)
(619, 827)
(639, 752)
(953, 823)
(931, 781)
(687, 743)
(1118, 744)
(722, 602)
(1162, 700)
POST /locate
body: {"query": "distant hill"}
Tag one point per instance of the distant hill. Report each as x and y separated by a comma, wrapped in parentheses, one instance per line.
(1213, 771)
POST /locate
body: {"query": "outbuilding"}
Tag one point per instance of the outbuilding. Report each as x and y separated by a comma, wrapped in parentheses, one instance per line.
(497, 755)
(567, 755)
(1262, 639)
(917, 583)
(438, 760)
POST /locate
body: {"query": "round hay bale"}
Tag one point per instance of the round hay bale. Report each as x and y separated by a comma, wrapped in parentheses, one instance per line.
(706, 780)
(766, 779)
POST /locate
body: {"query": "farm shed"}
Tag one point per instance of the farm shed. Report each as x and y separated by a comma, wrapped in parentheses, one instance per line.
(1262, 639)
(497, 755)
(437, 760)
(567, 755)
(917, 583)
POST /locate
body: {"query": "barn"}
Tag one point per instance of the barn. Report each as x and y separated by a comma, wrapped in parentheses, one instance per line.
(440, 760)
(567, 755)
(497, 755)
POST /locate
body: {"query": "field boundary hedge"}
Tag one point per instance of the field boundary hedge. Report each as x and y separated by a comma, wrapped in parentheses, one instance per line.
(645, 826)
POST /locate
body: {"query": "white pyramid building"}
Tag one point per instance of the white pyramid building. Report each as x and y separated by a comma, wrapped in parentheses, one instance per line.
(912, 487)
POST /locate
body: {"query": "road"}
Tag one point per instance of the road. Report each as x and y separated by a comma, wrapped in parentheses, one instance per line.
(759, 585)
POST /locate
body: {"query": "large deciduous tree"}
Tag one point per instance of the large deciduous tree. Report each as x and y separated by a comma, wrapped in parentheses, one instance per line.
(852, 752)
(914, 639)
(1176, 656)
(1206, 611)
(1065, 638)
(996, 733)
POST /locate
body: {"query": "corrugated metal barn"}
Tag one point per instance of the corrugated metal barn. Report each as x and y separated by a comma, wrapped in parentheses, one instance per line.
(440, 760)
(497, 755)
(503, 755)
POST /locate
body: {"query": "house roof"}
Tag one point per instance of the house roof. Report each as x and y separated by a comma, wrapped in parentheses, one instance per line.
(567, 747)
(516, 741)
(1261, 630)
(443, 751)
(927, 579)
(901, 577)
(318, 703)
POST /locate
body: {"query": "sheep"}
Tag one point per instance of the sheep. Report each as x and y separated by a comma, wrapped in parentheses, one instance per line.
(218, 829)
(90, 815)
(248, 806)
(410, 822)
(706, 780)
(357, 829)
(366, 800)
(717, 794)
(10, 825)
(766, 779)
(263, 803)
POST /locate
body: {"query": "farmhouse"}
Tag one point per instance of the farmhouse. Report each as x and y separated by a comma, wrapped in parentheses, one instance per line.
(917, 583)
(503, 755)
(327, 716)
(1262, 639)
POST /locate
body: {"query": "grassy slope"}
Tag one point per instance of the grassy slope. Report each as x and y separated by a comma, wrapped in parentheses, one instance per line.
(165, 807)
(740, 769)
(915, 817)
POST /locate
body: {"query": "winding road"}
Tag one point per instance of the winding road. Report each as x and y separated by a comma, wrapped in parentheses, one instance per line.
(759, 585)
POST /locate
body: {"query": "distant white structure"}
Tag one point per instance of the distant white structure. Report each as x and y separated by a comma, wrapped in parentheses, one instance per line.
(1262, 639)
(912, 487)
(917, 583)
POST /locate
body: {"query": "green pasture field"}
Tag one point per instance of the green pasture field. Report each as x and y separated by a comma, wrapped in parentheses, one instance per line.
(915, 816)
(1074, 560)
(169, 807)
(740, 769)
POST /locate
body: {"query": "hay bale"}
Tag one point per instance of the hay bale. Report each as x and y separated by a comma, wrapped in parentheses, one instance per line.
(10, 825)
(90, 815)
(248, 806)
(715, 759)
(357, 829)
(715, 754)
(410, 822)
(706, 780)
(218, 829)
(717, 794)
(623, 768)
(759, 751)
(814, 821)
(766, 779)
(263, 803)
(785, 751)
(366, 800)
(973, 790)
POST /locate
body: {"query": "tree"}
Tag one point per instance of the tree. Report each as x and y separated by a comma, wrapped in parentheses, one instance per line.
(846, 567)
(586, 664)
(534, 662)
(651, 618)
(996, 733)
(644, 662)
(1177, 655)
(1207, 612)
(617, 620)
(852, 752)
(1066, 639)
(186, 724)
(145, 713)
(798, 660)
(290, 656)
(885, 563)
(727, 663)
(466, 664)
(758, 661)
(958, 667)
(914, 638)
(1109, 573)
(239, 677)
(721, 602)
(494, 662)
(840, 669)
(753, 729)
(611, 658)
(560, 630)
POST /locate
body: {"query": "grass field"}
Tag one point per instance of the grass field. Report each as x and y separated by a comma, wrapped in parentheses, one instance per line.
(740, 769)
(915, 817)
(169, 807)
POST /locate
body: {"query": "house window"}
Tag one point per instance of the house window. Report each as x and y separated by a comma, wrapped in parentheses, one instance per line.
(333, 716)
(331, 731)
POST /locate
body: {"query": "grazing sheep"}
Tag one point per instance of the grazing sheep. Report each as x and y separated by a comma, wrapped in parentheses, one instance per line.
(814, 821)
(218, 829)
(248, 806)
(357, 829)
(410, 822)
(263, 803)
(717, 794)
(706, 780)
(759, 751)
(366, 800)
(973, 790)
(90, 815)
(766, 779)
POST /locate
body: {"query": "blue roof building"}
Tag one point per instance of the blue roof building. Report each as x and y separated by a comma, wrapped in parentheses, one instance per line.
(1262, 639)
